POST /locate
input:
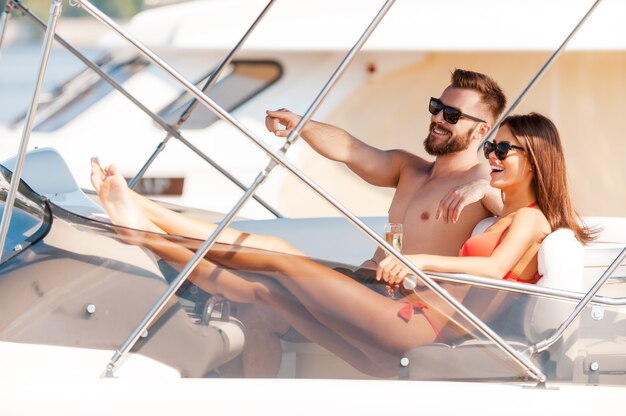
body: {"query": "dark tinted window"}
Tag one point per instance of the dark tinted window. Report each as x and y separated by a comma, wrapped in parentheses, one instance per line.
(239, 83)
(81, 92)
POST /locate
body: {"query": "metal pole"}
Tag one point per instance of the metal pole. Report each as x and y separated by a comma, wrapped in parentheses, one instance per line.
(206, 246)
(206, 101)
(194, 102)
(55, 11)
(293, 135)
(173, 132)
(538, 74)
(525, 289)
(278, 157)
(4, 20)
(544, 345)
(182, 276)
(193, 90)
(218, 71)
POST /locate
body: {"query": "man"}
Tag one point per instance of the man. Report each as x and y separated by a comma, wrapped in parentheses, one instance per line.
(438, 202)
(425, 191)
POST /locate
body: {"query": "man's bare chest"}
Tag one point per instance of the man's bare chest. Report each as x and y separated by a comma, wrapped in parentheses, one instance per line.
(420, 198)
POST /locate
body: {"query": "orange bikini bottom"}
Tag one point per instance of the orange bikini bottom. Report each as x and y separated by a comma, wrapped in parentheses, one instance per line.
(409, 309)
(406, 312)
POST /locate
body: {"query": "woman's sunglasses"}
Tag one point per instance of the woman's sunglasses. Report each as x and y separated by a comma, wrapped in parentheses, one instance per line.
(501, 149)
(450, 114)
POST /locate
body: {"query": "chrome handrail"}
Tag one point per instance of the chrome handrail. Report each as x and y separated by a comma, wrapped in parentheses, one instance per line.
(526, 289)
(545, 66)
(543, 345)
(194, 103)
(4, 20)
(170, 130)
(55, 11)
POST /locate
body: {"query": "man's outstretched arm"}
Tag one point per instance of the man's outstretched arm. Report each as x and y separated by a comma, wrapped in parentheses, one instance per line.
(376, 166)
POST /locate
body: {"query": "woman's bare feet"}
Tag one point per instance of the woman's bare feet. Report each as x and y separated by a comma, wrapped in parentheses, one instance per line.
(116, 198)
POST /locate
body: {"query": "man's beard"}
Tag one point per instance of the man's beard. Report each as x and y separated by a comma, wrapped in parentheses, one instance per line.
(455, 143)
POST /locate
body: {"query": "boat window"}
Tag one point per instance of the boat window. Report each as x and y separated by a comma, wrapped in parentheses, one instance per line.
(30, 219)
(240, 82)
(67, 101)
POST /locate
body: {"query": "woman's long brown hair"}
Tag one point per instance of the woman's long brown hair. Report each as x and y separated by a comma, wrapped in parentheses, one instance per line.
(540, 137)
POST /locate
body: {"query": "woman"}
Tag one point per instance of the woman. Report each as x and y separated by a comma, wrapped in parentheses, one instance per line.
(527, 165)
(367, 329)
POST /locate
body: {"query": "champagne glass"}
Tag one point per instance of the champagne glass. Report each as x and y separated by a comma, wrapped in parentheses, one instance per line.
(393, 236)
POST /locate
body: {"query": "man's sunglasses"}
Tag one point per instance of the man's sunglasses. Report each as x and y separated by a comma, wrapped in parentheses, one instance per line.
(450, 114)
(501, 149)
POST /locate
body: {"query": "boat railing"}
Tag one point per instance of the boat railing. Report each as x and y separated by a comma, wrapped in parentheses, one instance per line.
(170, 130)
(278, 158)
(211, 80)
(4, 18)
(580, 299)
(558, 333)
(55, 11)
(539, 73)
(538, 291)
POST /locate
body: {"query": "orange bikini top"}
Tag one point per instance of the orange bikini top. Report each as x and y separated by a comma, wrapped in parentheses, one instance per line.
(483, 245)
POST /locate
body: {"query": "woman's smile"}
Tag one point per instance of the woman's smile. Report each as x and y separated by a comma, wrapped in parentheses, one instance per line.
(496, 168)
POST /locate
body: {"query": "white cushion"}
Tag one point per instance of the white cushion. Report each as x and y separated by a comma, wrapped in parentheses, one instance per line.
(560, 259)
(46, 173)
(482, 226)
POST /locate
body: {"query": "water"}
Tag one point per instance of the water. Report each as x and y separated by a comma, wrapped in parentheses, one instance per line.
(19, 65)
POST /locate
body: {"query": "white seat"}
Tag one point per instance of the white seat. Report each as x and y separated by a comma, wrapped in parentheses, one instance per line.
(561, 258)
(46, 173)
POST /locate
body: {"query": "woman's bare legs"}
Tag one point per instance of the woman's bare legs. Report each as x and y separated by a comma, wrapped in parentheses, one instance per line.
(359, 325)
(259, 289)
(347, 307)
(174, 223)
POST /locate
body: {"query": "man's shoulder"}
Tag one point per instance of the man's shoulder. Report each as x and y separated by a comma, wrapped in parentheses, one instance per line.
(410, 160)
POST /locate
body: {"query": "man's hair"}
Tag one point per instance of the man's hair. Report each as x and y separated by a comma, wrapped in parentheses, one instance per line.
(492, 95)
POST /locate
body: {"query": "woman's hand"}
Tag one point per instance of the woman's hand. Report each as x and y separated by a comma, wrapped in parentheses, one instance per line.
(393, 272)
